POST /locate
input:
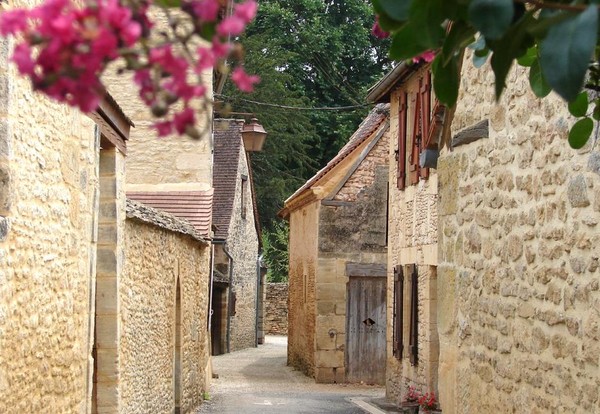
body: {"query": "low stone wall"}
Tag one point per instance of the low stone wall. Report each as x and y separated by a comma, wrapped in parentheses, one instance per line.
(276, 309)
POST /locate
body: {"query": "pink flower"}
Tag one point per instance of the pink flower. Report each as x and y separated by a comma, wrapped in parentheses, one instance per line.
(220, 50)
(206, 59)
(13, 21)
(231, 25)
(206, 10)
(164, 128)
(377, 31)
(246, 11)
(426, 57)
(184, 119)
(22, 58)
(243, 81)
(131, 33)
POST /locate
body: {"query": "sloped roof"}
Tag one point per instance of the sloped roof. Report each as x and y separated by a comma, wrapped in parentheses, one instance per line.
(193, 206)
(369, 125)
(226, 158)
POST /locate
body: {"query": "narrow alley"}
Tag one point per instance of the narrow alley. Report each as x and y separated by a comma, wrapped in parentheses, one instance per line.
(257, 380)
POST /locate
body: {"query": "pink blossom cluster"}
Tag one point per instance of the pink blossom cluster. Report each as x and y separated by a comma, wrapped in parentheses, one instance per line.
(64, 50)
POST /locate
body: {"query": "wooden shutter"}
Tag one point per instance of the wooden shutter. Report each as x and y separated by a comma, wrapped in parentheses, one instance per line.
(401, 154)
(398, 311)
(425, 95)
(415, 144)
(413, 346)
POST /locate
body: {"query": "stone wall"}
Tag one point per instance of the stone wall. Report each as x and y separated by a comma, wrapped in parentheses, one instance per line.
(242, 243)
(48, 179)
(158, 257)
(352, 232)
(412, 239)
(302, 293)
(276, 309)
(518, 278)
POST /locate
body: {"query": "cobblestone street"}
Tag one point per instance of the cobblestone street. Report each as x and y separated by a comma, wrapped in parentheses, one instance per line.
(257, 380)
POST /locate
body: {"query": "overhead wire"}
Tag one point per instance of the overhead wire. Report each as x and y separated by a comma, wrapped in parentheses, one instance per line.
(297, 108)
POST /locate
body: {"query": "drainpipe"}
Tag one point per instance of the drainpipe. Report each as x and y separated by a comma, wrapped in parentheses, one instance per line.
(258, 298)
(210, 300)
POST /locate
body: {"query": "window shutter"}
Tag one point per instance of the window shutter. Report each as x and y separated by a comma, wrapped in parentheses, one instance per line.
(425, 95)
(414, 317)
(401, 154)
(415, 143)
(398, 311)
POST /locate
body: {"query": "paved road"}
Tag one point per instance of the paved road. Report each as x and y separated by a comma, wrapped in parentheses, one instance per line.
(257, 381)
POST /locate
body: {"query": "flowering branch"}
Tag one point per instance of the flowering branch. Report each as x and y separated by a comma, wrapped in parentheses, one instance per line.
(65, 49)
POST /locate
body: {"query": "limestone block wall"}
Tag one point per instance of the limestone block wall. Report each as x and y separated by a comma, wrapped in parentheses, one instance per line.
(242, 243)
(302, 290)
(170, 163)
(412, 239)
(276, 309)
(48, 179)
(518, 282)
(157, 259)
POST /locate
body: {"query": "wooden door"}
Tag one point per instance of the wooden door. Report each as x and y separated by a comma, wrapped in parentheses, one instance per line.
(366, 326)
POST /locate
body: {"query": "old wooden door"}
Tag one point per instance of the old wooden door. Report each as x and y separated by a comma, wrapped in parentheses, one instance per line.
(366, 325)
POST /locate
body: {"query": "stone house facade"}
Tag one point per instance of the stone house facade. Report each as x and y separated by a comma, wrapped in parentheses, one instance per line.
(90, 315)
(512, 297)
(238, 281)
(518, 272)
(337, 253)
(412, 340)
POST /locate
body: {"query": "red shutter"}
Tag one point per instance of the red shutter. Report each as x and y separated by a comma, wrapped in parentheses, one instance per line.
(401, 154)
(425, 94)
(415, 143)
(414, 317)
(398, 311)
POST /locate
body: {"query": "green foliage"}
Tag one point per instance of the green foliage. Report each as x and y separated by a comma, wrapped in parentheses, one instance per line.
(308, 53)
(557, 40)
(275, 251)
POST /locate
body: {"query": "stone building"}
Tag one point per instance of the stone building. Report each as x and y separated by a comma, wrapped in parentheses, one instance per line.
(238, 283)
(336, 330)
(511, 291)
(412, 352)
(276, 308)
(518, 277)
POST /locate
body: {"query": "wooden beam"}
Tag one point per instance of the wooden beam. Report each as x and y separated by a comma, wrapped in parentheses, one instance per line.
(471, 134)
(366, 269)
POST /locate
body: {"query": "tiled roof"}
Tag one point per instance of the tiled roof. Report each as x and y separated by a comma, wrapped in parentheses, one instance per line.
(227, 142)
(193, 206)
(369, 125)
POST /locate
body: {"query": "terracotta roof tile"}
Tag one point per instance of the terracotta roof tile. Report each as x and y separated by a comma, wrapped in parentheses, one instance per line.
(227, 144)
(193, 206)
(369, 125)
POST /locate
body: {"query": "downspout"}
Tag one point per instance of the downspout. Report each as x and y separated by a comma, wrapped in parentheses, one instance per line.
(258, 298)
(210, 300)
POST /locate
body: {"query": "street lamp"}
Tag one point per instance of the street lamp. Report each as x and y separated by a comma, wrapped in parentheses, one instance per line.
(253, 135)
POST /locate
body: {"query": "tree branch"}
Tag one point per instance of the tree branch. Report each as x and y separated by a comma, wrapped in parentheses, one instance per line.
(540, 4)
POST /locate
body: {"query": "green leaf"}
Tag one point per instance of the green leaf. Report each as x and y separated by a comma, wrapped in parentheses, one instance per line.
(538, 83)
(491, 17)
(578, 107)
(168, 4)
(389, 25)
(460, 36)
(427, 16)
(528, 58)
(407, 43)
(511, 46)
(580, 133)
(566, 51)
(596, 113)
(480, 59)
(395, 9)
(446, 79)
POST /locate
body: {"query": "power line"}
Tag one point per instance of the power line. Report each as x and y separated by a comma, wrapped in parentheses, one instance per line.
(296, 108)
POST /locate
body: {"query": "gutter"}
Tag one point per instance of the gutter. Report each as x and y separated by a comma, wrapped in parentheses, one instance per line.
(379, 91)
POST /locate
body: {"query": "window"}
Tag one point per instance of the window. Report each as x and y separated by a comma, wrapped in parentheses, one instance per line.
(413, 343)
(398, 311)
(411, 145)
(244, 186)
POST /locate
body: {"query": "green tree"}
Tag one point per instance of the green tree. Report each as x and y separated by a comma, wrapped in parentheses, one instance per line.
(275, 250)
(557, 40)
